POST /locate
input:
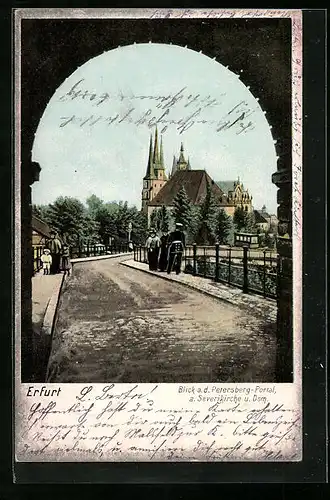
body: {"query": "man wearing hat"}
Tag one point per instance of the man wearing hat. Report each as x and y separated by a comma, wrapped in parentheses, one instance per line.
(55, 247)
(176, 242)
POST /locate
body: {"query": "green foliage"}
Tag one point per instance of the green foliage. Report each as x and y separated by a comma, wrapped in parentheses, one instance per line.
(164, 219)
(94, 204)
(239, 219)
(224, 228)
(207, 219)
(42, 212)
(139, 226)
(182, 208)
(194, 224)
(250, 222)
(98, 222)
(244, 221)
(70, 218)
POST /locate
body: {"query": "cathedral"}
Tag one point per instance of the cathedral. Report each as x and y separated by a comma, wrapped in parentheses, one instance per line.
(158, 190)
(155, 177)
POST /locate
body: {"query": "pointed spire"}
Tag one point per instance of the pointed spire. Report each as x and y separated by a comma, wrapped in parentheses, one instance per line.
(188, 165)
(150, 168)
(161, 153)
(181, 157)
(156, 148)
(174, 166)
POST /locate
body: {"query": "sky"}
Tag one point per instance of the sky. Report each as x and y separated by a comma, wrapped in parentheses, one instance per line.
(93, 137)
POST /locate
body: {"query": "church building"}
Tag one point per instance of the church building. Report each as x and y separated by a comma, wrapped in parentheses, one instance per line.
(155, 177)
(158, 190)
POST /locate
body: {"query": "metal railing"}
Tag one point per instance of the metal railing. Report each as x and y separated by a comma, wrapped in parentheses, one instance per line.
(253, 270)
(97, 249)
(37, 252)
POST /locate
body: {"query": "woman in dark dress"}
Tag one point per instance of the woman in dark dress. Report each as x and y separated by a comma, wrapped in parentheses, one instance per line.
(163, 252)
(152, 246)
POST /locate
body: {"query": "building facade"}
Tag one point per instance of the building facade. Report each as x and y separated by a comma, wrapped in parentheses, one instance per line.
(158, 190)
(236, 196)
(155, 177)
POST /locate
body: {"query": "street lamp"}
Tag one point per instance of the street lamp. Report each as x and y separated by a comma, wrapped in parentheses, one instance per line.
(129, 230)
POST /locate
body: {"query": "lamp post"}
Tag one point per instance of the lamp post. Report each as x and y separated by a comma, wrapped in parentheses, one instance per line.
(129, 230)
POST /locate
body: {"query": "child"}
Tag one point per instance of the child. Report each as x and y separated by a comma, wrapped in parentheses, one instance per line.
(46, 260)
(66, 264)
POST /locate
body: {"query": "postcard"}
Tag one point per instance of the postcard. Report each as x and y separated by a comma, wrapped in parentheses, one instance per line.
(158, 231)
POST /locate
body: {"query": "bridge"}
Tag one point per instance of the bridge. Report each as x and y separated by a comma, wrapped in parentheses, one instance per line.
(118, 322)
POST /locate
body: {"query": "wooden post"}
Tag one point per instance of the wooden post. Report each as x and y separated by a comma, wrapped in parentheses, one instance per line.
(217, 262)
(245, 270)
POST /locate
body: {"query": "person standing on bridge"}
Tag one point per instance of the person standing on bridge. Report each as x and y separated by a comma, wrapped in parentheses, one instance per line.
(46, 260)
(66, 264)
(55, 247)
(152, 246)
(163, 252)
(176, 245)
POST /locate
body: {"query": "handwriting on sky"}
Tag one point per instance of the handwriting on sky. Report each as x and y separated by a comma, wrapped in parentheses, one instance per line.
(181, 109)
(207, 424)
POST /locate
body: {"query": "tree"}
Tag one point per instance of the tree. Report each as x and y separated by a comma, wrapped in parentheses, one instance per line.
(107, 224)
(94, 204)
(164, 219)
(41, 211)
(207, 220)
(239, 219)
(194, 224)
(182, 208)
(224, 228)
(250, 222)
(139, 226)
(70, 218)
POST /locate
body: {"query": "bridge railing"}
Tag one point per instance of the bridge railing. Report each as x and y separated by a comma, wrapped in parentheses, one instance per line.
(253, 270)
(37, 252)
(97, 250)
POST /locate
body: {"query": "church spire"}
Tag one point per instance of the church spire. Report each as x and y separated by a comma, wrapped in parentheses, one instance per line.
(150, 167)
(174, 166)
(156, 148)
(181, 157)
(161, 153)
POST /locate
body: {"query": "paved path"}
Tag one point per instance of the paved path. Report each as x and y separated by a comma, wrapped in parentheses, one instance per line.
(43, 287)
(255, 304)
(118, 324)
(45, 290)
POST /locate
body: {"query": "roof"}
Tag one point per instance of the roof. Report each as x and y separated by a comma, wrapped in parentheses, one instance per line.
(40, 226)
(261, 217)
(226, 186)
(195, 184)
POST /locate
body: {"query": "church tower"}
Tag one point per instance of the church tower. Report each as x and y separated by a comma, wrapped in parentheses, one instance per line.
(155, 177)
(181, 163)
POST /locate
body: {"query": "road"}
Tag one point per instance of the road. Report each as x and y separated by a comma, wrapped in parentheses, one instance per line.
(117, 324)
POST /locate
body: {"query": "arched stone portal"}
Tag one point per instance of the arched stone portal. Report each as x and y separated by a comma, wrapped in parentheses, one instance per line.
(53, 49)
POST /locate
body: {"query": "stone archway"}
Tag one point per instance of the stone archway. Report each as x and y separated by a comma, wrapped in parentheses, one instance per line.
(53, 49)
